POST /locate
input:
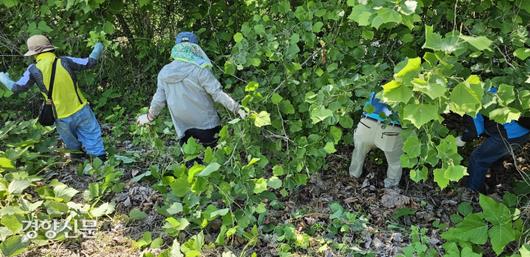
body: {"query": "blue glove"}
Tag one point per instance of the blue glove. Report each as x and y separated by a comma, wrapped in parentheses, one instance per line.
(4, 79)
(96, 52)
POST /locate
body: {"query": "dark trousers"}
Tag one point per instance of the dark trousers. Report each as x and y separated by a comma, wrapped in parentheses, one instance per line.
(486, 154)
(206, 137)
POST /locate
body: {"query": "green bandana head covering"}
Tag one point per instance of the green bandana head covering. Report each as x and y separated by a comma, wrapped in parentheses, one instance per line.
(190, 53)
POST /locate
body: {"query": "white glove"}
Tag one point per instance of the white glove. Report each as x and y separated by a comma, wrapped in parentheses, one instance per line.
(242, 113)
(459, 141)
(142, 120)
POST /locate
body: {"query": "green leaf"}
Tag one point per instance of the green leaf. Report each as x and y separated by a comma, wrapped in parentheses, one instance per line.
(522, 53)
(346, 121)
(43, 27)
(455, 172)
(104, 209)
(413, 65)
(361, 14)
(211, 168)
(465, 208)
(320, 114)
(412, 146)
(466, 99)
(108, 27)
(259, 29)
(6, 163)
(330, 148)
(435, 41)
(174, 208)
(385, 15)
(180, 186)
(472, 229)
(494, 212)
(440, 179)
(468, 252)
(137, 214)
(9, 3)
(229, 68)
(62, 191)
(504, 115)
(500, 236)
(506, 94)
(12, 223)
(274, 182)
(434, 89)
(278, 170)
(144, 2)
(220, 212)
(175, 250)
(251, 86)
(262, 119)
(17, 186)
(419, 175)
(13, 245)
(525, 249)
(395, 92)
(157, 243)
(317, 27)
(238, 37)
(420, 114)
(524, 97)
(480, 43)
(336, 133)
(260, 185)
(276, 98)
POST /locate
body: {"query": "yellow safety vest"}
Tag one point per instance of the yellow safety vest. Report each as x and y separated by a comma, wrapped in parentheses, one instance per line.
(64, 96)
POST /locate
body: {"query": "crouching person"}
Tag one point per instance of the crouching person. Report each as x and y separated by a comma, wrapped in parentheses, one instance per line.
(502, 140)
(189, 88)
(378, 129)
(56, 78)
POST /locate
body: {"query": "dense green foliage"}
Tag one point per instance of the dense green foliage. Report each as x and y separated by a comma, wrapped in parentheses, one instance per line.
(303, 69)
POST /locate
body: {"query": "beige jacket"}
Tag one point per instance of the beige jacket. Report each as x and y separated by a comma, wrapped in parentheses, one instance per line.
(190, 92)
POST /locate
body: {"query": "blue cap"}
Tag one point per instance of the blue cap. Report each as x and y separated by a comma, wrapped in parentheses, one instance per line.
(187, 36)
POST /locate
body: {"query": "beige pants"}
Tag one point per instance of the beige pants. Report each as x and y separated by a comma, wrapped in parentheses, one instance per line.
(370, 134)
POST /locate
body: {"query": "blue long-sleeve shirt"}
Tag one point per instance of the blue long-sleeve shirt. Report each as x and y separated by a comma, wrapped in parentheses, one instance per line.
(379, 108)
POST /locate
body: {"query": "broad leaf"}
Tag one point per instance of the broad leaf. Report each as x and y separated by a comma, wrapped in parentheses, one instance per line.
(395, 92)
(500, 236)
(211, 168)
(494, 212)
(420, 114)
(385, 15)
(262, 119)
(440, 179)
(472, 229)
(480, 43)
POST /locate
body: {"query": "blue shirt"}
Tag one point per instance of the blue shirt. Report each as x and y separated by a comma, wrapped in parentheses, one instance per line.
(513, 129)
(379, 107)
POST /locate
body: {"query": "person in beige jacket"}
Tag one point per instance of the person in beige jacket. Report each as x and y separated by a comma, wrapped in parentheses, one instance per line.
(189, 89)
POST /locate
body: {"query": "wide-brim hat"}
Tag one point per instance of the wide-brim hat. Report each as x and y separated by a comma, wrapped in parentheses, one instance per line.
(38, 44)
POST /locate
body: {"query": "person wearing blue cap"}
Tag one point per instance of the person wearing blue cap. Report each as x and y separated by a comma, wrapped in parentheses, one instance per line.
(189, 88)
(378, 128)
(502, 140)
(56, 78)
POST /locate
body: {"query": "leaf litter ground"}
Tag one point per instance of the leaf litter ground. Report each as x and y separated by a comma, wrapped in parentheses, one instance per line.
(389, 213)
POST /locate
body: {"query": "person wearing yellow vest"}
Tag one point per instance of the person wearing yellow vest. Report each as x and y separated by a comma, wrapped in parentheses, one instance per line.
(75, 122)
